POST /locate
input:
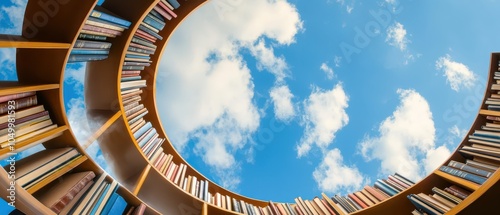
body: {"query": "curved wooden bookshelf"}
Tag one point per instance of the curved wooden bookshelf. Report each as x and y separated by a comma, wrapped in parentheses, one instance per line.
(141, 182)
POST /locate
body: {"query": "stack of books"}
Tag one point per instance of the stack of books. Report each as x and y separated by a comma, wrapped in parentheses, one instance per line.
(92, 43)
(21, 118)
(440, 202)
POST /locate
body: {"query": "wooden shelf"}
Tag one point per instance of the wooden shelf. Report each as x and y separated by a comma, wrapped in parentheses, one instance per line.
(489, 112)
(7, 88)
(456, 180)
(141, 180)
(14, 41)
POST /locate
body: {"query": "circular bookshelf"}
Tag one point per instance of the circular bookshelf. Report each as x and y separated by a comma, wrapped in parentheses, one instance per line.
(143, 179)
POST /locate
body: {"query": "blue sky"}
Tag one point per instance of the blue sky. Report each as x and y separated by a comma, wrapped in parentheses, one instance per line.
(279, 99)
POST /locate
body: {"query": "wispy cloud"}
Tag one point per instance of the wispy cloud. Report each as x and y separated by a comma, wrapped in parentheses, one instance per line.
(457, 74)
(209, 85)
(327, 70)
(396, 36)
(324, 115)
(406, 139)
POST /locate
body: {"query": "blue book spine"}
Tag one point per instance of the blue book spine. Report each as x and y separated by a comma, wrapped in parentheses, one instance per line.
(137, 117)
(174, 3)
(101, 198)
(153, 22)
(384, 188)
(137, 56)
(467, 176)
(470, 169)
(142, 130)
(133, 78)
(110, 202)
(90, 51)
(149, 31)
(118, 207)
(146, 138)
(110, 18)
(87, 57)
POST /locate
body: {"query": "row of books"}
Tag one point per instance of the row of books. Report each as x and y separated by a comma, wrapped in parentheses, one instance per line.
(143, 45)
(21, 118)
(440, 201)
(93, 41)
(371, 195)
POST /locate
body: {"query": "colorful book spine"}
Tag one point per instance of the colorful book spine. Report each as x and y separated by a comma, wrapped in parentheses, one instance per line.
(467, 176)
(101, 15)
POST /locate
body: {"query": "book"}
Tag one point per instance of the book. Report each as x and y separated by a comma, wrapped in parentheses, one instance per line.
(143, 42)
(105, 24)
(118, 206)
(385, 187)
(6, 98)
(92, 44)
(36, 165)
(103, 14)
(91, 37)
(154, 22)
(86, 51)
(58, 194)
(29, 135)
(470, 169)
(158, 9)
(174, 3)
(25, 130)
(76, 199)
(88, 197)
(97, 29)
(446, 195)
(467, 176)
(86, 57)
(18, 104)
(105, 197)
(422, 206)
(145, 29)
(481, 165)
(167, 9)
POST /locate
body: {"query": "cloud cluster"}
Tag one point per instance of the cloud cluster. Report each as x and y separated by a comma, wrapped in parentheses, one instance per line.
(406, 139)
(396, 36)
(205, 90)
(284, 109)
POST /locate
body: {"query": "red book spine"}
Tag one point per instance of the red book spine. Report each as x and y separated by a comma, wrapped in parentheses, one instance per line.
(357, 200)
(19, 103)
(143, 35)
(63, 201)
(162, 12)
(16, 96)
(167, 9)
(494, 118)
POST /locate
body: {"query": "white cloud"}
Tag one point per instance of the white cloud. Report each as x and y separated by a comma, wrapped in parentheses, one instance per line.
(283, 106)
(205, 89)
(8, 64)
(324, 116)
(457, 132)
(396, 36)
(349, 6)
(435, 157)
(405, 139)
(74, 75)
(457, 74)
(327, 70)
(268, 61)
(12, 17)
(333, 176)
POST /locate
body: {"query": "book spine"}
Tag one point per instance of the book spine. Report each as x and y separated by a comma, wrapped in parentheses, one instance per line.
(89, 57)
(16, 96)
(92, 44)
(384, 188)
(109, 18)
(162, 12)
(101, 29)
(61, 203)
(139, 50)
(127, 68)
(470, 169)
(167, 9)
(89, 52)
(467, 176)
(493, 118)
(455, 193)
(154, 22)
(91, 37)
(174, 3)
(138, 40)
(18, 104)
(150, 32)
